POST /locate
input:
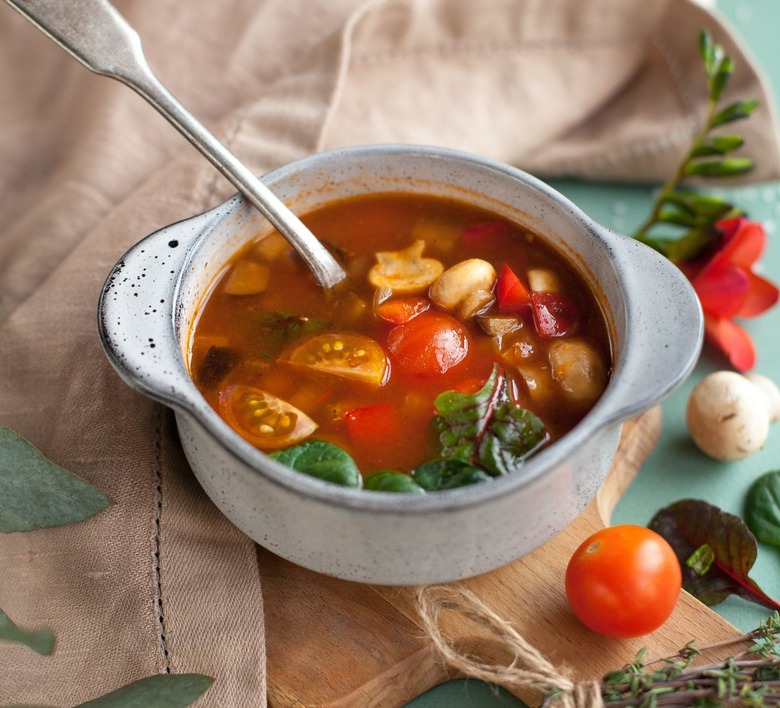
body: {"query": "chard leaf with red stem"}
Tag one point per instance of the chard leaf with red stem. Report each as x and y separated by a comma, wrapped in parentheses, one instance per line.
(716, 551)
(487, 429)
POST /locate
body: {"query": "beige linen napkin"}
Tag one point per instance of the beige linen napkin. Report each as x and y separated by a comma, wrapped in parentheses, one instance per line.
(161, 582)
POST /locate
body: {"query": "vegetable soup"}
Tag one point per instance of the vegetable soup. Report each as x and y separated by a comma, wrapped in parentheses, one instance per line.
(459, 345)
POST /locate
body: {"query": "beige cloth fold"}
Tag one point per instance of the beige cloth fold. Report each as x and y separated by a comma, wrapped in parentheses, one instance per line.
(161, 582)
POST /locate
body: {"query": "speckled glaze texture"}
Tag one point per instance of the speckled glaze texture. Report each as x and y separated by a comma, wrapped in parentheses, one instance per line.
(151, 299)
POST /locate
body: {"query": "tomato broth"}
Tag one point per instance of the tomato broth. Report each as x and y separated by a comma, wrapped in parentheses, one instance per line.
(441, 296)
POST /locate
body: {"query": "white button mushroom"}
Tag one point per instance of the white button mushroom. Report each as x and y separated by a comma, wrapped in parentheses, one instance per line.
(728, 414)
(578, 370)
(461, 280)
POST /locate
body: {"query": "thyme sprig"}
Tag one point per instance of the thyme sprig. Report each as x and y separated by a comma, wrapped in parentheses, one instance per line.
(693, 216)
(750, 677)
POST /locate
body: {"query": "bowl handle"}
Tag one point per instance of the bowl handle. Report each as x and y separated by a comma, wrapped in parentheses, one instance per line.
(136, 311)
(664, 328)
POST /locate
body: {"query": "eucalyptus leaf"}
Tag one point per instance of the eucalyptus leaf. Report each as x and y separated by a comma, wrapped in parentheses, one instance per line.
(323, 460)
(36, 493)
(160, 691)
(390, 481)
(40, 641)
(762, 513)
(698, 531)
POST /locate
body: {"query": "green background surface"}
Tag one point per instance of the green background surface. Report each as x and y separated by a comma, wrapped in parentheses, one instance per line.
(675, 469)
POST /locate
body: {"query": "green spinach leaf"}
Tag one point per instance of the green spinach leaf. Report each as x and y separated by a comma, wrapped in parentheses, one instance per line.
(35, 493)
(448, 474)
(323, 460)
(161, 691)
(716, 551)
(40, 641)
(275, 330)
(389, 481)
(762, 514)
(487, 429)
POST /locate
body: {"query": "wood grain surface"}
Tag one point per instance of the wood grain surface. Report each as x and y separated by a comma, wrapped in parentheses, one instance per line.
(340, 644)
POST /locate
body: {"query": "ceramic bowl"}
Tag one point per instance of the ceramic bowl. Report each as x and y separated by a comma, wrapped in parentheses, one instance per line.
(151, 300)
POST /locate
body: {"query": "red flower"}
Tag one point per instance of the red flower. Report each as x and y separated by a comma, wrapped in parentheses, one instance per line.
(727, 287)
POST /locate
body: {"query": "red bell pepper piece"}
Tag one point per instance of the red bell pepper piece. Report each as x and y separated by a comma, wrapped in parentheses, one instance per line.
(555, 315)
(511, 294)
(401, 309)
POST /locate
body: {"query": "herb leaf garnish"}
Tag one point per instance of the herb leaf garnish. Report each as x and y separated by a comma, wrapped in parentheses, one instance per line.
(716, 551)
(487, 429)
(276, 330)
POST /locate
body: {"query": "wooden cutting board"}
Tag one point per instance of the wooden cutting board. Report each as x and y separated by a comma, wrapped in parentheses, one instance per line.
(340, 644)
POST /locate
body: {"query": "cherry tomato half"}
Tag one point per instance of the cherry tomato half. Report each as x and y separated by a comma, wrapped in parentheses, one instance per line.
(429, 345)
(263, 419)
(345, 354)
(623, 581)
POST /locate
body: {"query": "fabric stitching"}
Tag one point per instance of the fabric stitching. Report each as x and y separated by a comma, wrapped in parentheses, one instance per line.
(156, 544)
(492, 47)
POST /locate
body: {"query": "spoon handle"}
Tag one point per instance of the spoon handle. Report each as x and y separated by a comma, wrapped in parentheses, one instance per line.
(95, 34)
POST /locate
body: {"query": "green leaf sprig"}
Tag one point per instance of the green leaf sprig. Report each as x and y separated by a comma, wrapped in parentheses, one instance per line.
(750, 677)
(693, 216)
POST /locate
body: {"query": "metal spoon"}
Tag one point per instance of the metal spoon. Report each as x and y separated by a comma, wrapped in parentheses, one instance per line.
(96, 34)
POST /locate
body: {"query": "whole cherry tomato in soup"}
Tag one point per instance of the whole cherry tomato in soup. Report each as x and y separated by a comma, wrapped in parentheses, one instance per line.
(623, 581)
(429, 345)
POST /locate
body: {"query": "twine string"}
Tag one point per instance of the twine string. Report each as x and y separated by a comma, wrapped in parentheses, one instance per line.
(529, 669)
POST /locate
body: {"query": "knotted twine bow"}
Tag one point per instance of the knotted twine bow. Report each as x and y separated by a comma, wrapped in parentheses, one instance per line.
(528, 670)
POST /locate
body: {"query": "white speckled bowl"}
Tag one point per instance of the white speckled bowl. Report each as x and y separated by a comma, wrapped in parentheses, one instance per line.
(151, 300)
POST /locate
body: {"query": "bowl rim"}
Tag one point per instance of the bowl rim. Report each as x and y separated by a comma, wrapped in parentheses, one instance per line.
(605, 415)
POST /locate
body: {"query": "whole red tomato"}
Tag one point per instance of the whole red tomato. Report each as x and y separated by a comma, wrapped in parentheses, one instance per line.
(623, 581)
